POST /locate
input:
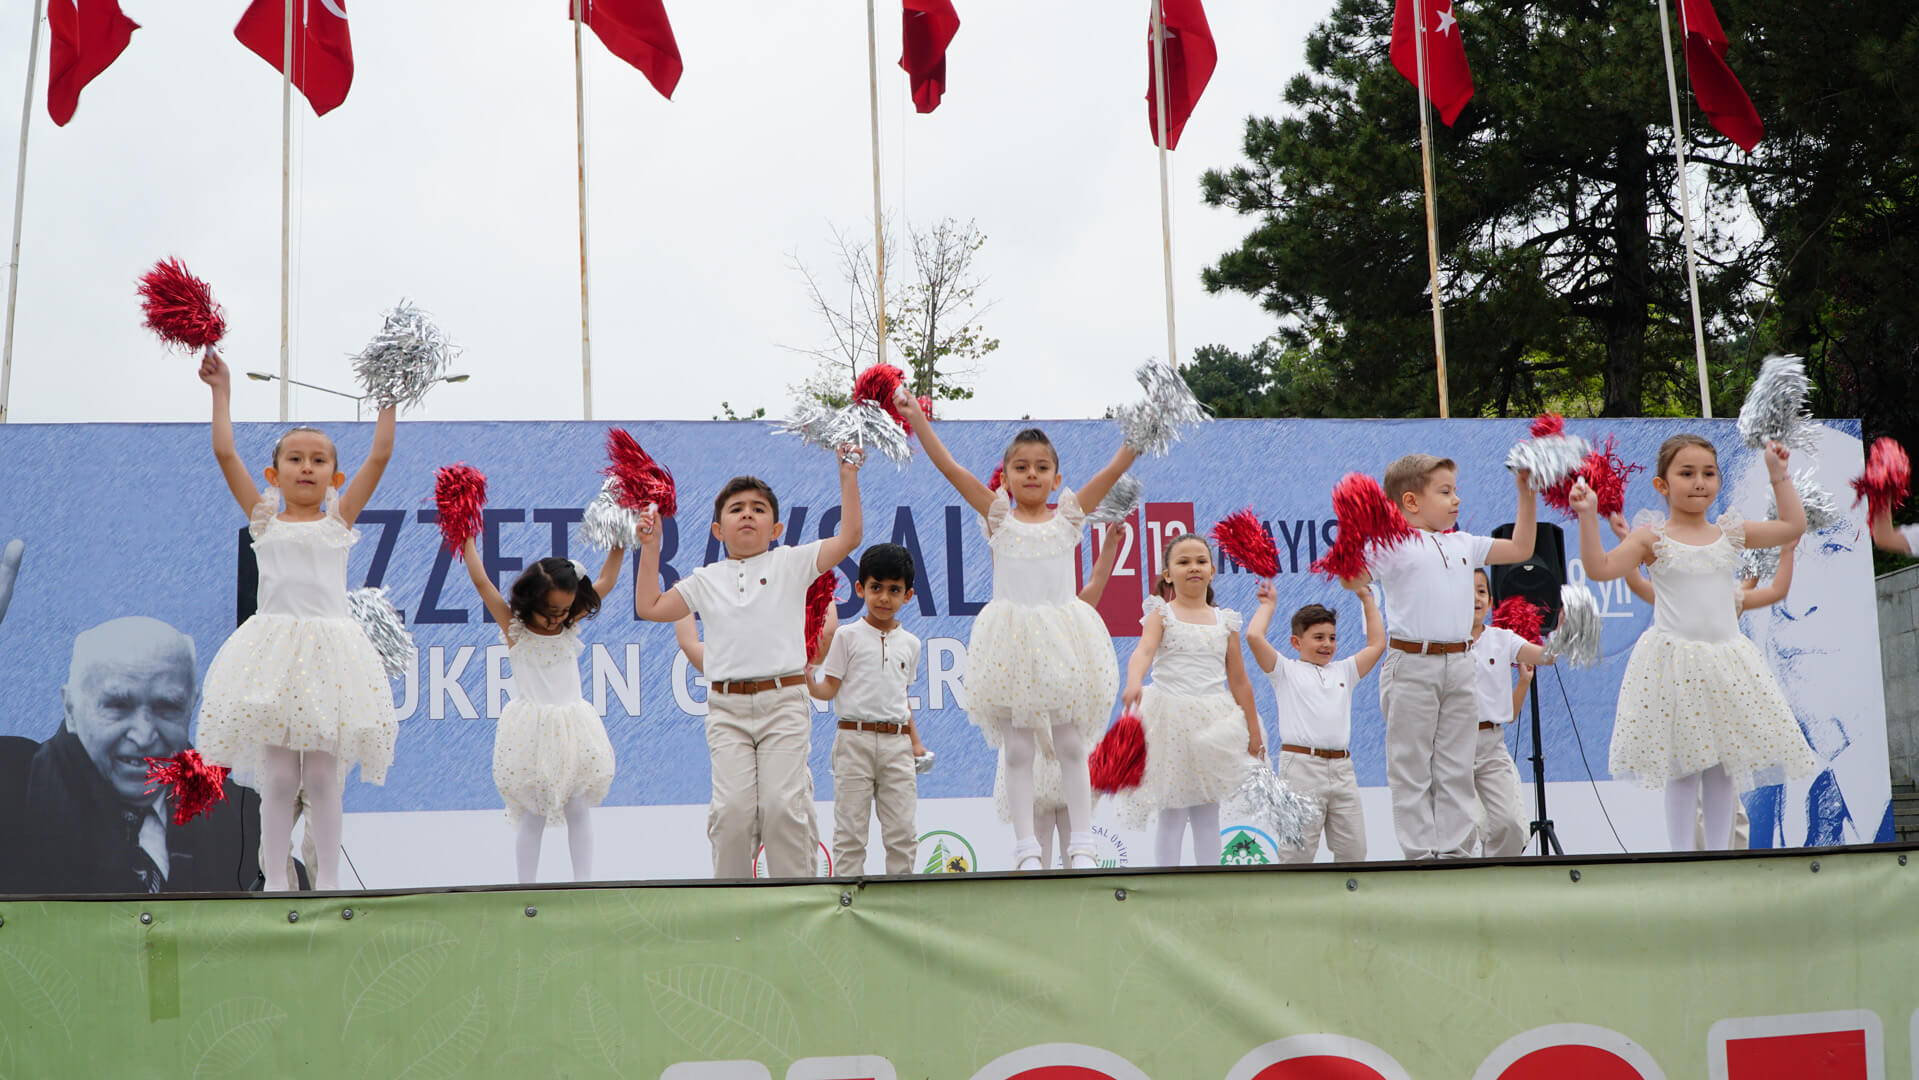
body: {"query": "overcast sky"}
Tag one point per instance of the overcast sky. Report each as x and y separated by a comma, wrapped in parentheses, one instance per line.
(448, 177)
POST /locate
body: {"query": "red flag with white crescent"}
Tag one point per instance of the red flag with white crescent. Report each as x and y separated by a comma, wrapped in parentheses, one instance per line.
(637, 32)
(87, 37)
(1190, 59)
(1723, 100)
(928, 30)
(1449, 82)
(322, 49)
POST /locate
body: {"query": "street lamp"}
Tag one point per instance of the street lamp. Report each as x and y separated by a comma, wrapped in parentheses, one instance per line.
(357, 399)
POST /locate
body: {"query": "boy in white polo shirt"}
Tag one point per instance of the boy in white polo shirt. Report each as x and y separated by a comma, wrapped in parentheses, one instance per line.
(1315, 698)
(758, 722)
(867, 670)
(1426, 684)
(1495, 652)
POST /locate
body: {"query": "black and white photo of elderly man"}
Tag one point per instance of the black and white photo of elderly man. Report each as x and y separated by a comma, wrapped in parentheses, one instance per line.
(75, 815)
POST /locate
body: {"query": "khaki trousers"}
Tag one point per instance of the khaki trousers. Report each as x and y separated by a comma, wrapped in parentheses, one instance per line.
(1432, 730)
(1503, 832)
(762, 788)
(1330, 781)
(873, 770)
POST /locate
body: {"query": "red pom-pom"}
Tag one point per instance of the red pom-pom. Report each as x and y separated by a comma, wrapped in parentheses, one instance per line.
(1343, 561)
(819, 600)
(194, 786)
(1605, 472)
(1521, 616)
(1367, 520)
(460, 493)
(1548, 423)
(1119, 761)
(180, 307)
(926, 406)
(641, 480)
(999, 472)
(1887, 479)
(1244, 540)
(876, 384)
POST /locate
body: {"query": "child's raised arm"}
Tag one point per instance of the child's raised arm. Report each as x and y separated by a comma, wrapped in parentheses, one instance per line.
(977, 495)
(1792, 515)
(648, 602)
(1242, 689)
(1103, 565)
(1150, 631)
(1101, 482)
(609, 572)
(213, 372)
(1365, 658)
(1775, 591)
(852, 523)
(354, 498)
(1519, 547)
(1887, 538)
(1603, 565)
(483, 584)
(1264, 654)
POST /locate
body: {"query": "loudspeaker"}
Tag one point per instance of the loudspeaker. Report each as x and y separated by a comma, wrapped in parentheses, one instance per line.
(246, 594)
(1539, 578)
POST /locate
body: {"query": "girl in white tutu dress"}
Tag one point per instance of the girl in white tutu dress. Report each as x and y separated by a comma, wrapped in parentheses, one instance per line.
(552, 760)
(297, 696)
(1699, 712)
(1202, 728)
(1038, 657)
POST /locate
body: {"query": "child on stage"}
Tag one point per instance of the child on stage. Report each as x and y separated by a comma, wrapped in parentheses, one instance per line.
(1038, 657)
(1699, 713)
(1314, 695)
(1202, 729)
(1495, 652)
(758, 723)
(1426, 686)
(297, 696)
(868, 668)
(552, 760)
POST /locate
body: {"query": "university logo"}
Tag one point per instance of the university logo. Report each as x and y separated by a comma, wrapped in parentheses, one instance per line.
(1111, 850)
(825, 868)
(1243, 845)
(943, 851)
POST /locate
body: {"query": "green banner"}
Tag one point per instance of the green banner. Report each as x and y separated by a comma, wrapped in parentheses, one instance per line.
(1750, 968)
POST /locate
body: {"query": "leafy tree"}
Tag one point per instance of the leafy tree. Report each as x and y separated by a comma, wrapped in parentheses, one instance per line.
(727, 413)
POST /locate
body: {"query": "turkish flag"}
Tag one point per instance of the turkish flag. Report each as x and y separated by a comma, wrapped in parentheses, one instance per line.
(1713, 83)
(637, 32)
(86, 39)
(322, 50)
(929, 29)
(1190, 59)
(1449, 82)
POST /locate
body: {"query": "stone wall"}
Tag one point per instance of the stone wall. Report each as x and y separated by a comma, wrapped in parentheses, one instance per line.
(1899, 659)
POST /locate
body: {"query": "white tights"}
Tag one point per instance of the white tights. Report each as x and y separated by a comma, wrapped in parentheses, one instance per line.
(579, 841)
(1171, 834)
(286, 773)
(1069, 746)
(1710, 791)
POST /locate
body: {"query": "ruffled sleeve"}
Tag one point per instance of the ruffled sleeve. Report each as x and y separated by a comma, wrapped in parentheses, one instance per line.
(1733, 524)
(995, 515)
(1151, 606)
(1230, 619)
(1650, 519)
(1069, 508)
(263, 511)
(511, 632)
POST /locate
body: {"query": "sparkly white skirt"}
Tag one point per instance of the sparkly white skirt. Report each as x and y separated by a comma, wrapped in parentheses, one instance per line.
(1040, 665)
(1195, 753)
(300, 684)
(1685, 706)
(547, 755)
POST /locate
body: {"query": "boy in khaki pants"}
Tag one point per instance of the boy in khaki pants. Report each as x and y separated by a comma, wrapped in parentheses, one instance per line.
(868, 668)
(1315, 698)
(758, 722)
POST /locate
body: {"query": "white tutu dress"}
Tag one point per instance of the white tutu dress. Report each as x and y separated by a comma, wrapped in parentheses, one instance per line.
(551, 745)
(1038, 656)
(1696, 692)
(300, 673)
(1195, 731)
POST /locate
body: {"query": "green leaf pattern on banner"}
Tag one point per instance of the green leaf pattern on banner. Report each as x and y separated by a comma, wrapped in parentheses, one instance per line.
(829, 949)
(448, 1041)
(225, 1038)
(1006, 1021)
(644, 918)
(724, 1012)
(41, 988)
(6, 1055)
(393, 968)
(598, 1034)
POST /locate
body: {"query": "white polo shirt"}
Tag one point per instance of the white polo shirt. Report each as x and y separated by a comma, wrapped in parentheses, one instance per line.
(754, 611)
(1493, 656)
(1428, 581)
(1315, 703)
(874, 668)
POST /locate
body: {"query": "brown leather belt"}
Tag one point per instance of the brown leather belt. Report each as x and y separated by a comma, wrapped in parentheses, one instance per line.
(755, 686)
(1488, 725)
(1430, 648)
(1333, 755)
(877, 727)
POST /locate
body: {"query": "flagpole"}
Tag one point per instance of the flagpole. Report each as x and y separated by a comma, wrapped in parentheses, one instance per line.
(19, 203)
(579, 121)
(286, 199)
(1165, 200)
(879, 225)
(1432, 218)
(1685, 212)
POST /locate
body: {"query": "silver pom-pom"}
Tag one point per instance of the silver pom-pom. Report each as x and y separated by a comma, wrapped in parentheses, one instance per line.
(1576, 638)
(1775, 408)
(384, 627)
(1265, 798)
(1119, 503)
(1759, 564)
(1550, 458)
(607, 524)
(862, 427)
(1822, 509)
(405, 359)
(1152, 426)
